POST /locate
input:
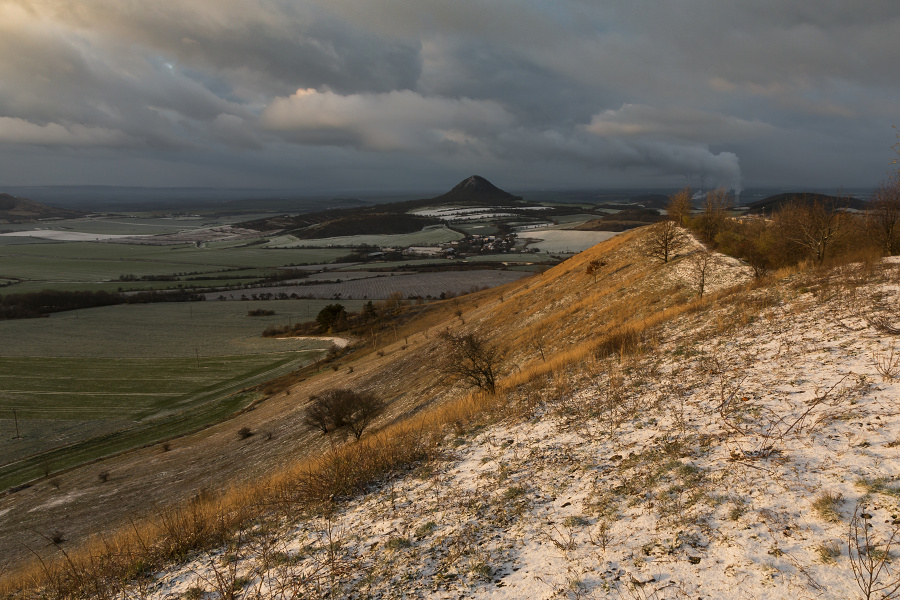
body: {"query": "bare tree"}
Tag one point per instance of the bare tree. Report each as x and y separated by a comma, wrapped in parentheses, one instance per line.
(813, 226)
(472, 359)
(716, 205)
(883, 217)
(664, 239)
(360, 410)
(701, 265)
(318, 414)
(679, 206)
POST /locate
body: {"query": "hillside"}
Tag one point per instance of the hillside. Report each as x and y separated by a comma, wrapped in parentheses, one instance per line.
(23, 210)
(741, 445)
(477, 190)
(553, 311)
(642, 444)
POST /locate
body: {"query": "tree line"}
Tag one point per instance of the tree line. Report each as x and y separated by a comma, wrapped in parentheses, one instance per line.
(810, 228)
(41, 304)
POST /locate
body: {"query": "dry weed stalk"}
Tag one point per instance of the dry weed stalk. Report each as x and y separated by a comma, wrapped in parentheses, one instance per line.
(883, 325)
(870, 558)
(771, 429)
(563, 541)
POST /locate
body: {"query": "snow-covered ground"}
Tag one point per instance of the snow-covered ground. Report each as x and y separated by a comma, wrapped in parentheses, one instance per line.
(564, 240)
(727, 460)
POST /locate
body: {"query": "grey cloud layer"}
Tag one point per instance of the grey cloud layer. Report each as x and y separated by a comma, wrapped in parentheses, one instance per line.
(598, 93)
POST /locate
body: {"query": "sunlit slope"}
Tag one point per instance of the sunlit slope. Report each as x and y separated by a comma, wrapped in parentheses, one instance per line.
(609, 286)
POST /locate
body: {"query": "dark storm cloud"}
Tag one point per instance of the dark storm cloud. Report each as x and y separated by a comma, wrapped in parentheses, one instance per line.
(572, 91)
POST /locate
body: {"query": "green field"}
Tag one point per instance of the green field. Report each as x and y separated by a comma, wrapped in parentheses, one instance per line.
(164, 330)
(96, 266)
(98, 408)
(90, 383)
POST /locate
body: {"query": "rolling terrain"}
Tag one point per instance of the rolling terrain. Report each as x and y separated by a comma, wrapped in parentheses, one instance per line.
(22, 210)
(642, 443)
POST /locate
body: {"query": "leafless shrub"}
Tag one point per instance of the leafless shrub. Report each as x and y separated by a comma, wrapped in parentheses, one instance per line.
(602, 537)
(883, 216)
(594, 268)
(340, 407)
(244, 432)
(813, 226)
(472, 359)
(563, 541)
(56, 537)
(887, 365)
(103, 476)
(622, 341)
(870, 558)
(536, 342)
(679, 206)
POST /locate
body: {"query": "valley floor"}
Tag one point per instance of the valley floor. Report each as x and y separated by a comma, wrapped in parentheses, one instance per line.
(748, 450)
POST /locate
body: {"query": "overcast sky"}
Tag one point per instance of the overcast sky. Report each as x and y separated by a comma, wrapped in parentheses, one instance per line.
(350, 95)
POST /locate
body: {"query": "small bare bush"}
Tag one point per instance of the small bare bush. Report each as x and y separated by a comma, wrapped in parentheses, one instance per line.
(888, 364)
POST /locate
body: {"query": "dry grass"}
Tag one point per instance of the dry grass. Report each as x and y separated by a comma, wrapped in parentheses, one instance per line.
(827, 505)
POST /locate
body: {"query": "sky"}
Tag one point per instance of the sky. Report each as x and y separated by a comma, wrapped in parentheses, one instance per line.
(341, 96)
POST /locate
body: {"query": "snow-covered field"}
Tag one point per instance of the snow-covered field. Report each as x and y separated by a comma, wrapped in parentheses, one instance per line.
(563, 240)
(732, 458)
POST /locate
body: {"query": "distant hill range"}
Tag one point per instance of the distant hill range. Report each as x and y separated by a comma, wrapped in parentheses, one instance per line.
(23, 210)
(385, 219)
(767, 206)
